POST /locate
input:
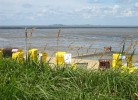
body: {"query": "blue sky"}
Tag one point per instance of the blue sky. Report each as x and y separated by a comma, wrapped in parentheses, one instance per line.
(69, 12)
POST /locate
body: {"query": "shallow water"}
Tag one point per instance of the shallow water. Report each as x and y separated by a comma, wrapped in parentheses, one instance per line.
(78, 41)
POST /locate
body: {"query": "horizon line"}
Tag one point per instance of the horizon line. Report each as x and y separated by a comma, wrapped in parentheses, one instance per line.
(65, 26)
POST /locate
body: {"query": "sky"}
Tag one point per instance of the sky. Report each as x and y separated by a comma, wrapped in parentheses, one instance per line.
(69, 12)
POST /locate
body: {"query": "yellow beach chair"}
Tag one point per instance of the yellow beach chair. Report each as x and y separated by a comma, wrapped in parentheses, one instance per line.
(117, 61)
(129, 61)
(60, 58)
(33, 55)
(1, 55)
(18, 56)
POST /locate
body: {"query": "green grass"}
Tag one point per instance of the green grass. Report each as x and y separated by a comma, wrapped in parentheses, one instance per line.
(30, 81)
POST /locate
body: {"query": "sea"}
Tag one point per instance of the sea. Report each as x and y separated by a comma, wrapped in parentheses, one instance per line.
(77, 41)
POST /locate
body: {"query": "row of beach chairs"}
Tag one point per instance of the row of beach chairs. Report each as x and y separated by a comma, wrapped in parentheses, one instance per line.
(119, 61)
(62, 58)
(18, 54)
(33, 55)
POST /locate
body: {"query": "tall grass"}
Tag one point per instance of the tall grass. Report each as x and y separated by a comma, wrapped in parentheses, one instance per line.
(40, 81)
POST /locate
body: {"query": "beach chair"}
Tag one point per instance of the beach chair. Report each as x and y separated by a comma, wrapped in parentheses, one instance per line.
(129, 61)
(7, 52)
(104, 64)
(60, 58)
(63, 58)
(1, 55)
(18, 56)
(117, 60)
(42, 57)
(33, 55)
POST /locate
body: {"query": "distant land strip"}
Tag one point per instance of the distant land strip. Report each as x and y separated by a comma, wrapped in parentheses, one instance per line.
(63, 26)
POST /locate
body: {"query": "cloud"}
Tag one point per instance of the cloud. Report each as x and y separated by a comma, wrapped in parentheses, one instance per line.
(27, 5)
(30, 10)
(98, 10)
(115, 9)
(136, 4)
(128, 12)
(30, 18)
(124, 1)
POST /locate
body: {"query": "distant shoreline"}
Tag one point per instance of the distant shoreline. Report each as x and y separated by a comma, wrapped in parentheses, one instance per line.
(63, 26)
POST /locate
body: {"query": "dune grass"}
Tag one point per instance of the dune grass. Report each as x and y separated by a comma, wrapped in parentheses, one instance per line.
(30, 81)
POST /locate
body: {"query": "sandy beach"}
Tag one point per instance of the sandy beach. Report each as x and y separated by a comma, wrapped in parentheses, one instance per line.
(92, 63)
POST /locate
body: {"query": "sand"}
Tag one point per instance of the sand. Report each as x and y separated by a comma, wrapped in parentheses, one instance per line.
(89, 63)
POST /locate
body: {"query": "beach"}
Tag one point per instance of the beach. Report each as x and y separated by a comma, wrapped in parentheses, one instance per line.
(85, 44)
(92, 63)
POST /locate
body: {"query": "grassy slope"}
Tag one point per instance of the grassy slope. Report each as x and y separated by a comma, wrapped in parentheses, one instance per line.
(37, 81)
